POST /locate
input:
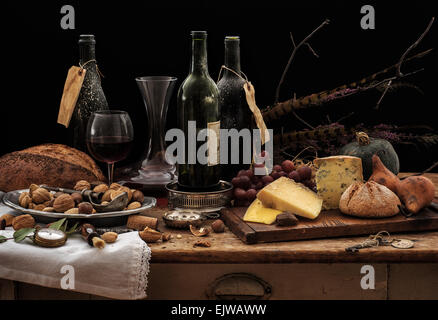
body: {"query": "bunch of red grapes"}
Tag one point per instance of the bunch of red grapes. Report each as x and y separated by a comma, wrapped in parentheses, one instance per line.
(247, 184)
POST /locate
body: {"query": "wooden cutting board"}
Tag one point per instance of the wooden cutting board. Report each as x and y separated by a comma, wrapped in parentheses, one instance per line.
(329, 224)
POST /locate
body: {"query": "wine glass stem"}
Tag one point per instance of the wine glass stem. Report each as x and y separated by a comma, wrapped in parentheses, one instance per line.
(110, 172)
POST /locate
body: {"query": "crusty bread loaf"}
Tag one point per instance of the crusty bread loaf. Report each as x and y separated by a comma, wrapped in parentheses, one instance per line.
(369, 200)
(56, 165)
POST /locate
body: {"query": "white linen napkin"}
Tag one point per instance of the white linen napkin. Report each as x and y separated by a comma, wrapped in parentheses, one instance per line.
(118, 271)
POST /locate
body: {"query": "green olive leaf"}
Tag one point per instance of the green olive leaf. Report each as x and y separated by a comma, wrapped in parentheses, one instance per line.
(3, 239)
(21, 234)
(72, 229)
(58, 224)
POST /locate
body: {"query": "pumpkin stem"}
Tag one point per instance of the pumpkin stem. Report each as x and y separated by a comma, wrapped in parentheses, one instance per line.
(362, 138)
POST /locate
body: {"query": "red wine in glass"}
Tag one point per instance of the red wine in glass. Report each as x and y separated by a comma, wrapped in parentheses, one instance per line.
(109, 149)
(109, 137)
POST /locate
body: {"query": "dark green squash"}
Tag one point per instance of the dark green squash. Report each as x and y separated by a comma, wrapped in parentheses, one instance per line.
(364, 147)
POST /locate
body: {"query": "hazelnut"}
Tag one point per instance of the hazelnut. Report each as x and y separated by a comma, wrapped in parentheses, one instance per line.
(41, 195)
(101, 188)
(23, 221)
(72, 211)
(24, 200)
(149, 235)
(134, 205)
(85, 208)
(109, 237)
(63, 203)
(32, 188)
(82, 185)
(94, 184)
(137, 195)
(77, 197)
(218, 226)
(49, 209)
(115, 193)
(57, 194)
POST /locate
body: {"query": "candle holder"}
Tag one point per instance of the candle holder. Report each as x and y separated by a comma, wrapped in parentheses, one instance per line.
(155, 171)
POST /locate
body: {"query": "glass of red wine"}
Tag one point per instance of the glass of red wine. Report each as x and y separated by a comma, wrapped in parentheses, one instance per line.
(109, 137)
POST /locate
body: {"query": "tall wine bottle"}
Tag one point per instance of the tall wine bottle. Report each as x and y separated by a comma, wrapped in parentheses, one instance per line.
(91, 97)
(235, 112)
(198, 104)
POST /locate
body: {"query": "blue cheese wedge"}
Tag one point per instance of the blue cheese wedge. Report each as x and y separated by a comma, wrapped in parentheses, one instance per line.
(334, 175)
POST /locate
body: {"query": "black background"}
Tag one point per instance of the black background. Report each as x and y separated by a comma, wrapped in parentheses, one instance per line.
(138, 38)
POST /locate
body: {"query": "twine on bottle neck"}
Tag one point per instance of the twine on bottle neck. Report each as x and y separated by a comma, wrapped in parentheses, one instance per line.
(97, 67)
(236, 73)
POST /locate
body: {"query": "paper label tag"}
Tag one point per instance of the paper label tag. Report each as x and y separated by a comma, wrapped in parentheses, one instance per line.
(250, 99)
(72, 87)
(213, 142)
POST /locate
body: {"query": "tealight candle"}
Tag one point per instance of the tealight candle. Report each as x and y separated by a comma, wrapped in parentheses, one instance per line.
(46, 237)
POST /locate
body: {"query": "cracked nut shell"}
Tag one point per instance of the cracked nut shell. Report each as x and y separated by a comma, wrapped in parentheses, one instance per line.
(149, 235)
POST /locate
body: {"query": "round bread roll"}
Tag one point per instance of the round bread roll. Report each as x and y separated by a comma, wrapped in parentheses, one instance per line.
(369, 200)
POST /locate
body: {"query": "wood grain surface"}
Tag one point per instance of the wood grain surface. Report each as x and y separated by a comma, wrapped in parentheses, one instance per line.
(227, 248)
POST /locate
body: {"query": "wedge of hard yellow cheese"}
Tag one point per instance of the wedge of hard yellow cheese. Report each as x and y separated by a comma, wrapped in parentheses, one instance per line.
(256, 212)
(286, 195)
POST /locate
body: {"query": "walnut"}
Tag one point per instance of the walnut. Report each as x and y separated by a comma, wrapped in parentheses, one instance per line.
(137, 195)
(63, 203)
(149, 235)
(128, 191)
(85, 208)
(109, 237)
(202, 243)
(57, 194)
(72, 211)
(218, 226)
(32, 188)
(24, 200)
(8, 218)
(134, 205)
(199, 233)
(41, 195)
(101, 188)
(82, 185)
(107, 196)
(115, 186)
(23, 221)
(39, 207)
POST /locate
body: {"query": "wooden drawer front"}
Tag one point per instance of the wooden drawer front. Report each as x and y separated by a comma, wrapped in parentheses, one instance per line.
(288, 281)
(413, 281)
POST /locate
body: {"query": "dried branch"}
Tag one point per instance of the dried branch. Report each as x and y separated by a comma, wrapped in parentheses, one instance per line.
(295, 49)
(402, 59)
(299, 118)
(399, 73)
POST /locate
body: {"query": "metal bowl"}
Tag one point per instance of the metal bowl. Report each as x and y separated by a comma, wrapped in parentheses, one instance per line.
(103, 219)
(200, 201)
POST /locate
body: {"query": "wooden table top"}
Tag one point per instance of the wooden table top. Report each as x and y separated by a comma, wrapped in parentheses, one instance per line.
(227, 248)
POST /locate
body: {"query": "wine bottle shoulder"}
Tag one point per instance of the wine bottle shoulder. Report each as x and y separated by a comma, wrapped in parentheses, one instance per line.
(195, 85)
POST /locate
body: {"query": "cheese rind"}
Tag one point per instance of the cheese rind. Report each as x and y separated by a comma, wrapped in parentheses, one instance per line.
(286, 195)
(256, 212)
(334, 175)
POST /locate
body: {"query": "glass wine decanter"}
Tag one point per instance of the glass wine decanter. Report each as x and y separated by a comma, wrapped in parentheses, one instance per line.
(155, 171)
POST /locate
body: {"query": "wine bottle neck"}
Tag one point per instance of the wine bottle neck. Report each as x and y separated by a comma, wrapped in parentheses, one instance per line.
(87, 52)
(199, 54)
(232, 55)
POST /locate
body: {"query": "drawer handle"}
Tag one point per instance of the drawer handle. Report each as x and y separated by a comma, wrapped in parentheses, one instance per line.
(239, 286)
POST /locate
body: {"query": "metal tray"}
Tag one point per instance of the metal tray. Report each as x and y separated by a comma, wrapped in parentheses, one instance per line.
(104, 219)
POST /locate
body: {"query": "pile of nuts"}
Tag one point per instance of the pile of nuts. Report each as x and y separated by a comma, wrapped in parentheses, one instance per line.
(43, 200)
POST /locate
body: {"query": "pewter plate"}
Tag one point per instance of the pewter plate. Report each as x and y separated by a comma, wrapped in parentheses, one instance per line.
(11, 200)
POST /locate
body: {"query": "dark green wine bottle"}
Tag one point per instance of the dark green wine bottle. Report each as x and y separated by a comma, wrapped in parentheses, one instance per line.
(91, 97)
(198, 105)
(235, 112)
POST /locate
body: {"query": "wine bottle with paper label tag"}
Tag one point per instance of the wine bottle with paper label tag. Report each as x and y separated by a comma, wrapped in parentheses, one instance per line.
(199, 119)
(91, 97)
(235, 112)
